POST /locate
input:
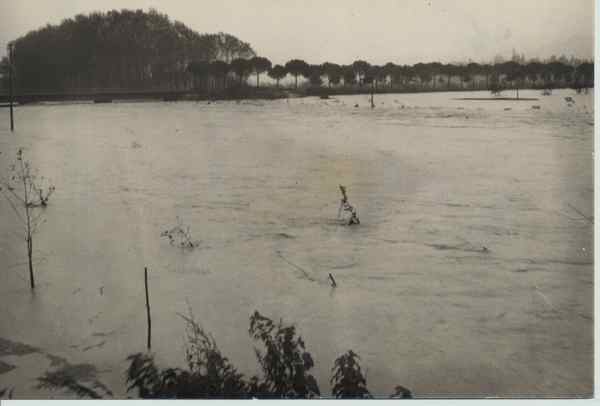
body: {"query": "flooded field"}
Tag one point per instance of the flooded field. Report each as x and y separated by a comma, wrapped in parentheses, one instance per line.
(471, 272)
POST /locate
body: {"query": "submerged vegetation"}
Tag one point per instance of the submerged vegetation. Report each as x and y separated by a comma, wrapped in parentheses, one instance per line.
(180, 236)
(27, 194)
(346, 207)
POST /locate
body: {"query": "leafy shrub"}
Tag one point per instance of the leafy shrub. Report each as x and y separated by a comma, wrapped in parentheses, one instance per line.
(283, 359)
(285, 362)
(347, 380)
(209, 374)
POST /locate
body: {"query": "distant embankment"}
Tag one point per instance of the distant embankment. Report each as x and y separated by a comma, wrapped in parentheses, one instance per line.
(338, 91)
(107, 96)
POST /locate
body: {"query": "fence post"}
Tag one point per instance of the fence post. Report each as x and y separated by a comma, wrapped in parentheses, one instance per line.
(149, 345)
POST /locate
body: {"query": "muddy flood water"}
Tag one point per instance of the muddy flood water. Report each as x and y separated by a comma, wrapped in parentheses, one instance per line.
(471, 273)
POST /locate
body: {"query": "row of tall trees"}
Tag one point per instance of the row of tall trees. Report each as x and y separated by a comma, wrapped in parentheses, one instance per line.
(124, 49)
(437, 76)
(218, 73)
(421, 76)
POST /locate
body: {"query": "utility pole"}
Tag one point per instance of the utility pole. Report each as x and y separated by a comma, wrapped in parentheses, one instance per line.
(10, 85)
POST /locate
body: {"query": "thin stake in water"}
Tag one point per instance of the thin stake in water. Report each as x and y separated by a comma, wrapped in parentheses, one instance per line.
(148, 309)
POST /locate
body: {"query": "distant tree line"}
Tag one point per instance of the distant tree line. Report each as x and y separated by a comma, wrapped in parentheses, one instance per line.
(437, 76)
(419, 77)
(145, 50)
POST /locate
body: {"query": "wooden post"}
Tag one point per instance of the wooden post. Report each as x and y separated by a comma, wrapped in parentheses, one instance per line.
(10, 85)
(148, 309)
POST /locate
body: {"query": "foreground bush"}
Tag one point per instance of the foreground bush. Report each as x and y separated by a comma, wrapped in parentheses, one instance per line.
(283, 360)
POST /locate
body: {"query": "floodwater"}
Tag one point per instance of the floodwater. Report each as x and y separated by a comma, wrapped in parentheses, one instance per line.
(471, 273)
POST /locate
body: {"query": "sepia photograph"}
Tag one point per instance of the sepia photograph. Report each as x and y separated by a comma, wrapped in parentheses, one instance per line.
(275, 199)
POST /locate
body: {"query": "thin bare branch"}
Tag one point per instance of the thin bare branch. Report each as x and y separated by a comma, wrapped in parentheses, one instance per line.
(14, 207)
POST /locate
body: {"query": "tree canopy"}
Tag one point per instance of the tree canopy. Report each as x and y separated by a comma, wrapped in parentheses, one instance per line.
(118, 49)
(277, 73)
(259, 65)
(297, 67)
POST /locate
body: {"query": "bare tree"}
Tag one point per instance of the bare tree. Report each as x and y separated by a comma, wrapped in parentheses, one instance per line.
(28, 198)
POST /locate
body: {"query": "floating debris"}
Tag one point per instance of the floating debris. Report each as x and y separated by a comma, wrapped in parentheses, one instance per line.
(180, 237)
(466, 247)
(333, 283)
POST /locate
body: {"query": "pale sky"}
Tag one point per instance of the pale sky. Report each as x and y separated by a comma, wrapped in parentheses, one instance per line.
(341, 31)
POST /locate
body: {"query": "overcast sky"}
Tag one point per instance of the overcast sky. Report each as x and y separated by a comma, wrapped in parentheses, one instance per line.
(380, 31)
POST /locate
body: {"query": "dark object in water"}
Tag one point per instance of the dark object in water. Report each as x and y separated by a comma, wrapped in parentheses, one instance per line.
(333, 284)
(356, 105)
(353, 218)
(324, 96)
(346, 206)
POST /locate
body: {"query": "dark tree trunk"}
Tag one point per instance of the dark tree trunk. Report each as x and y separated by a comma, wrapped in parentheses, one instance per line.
(30, 260)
